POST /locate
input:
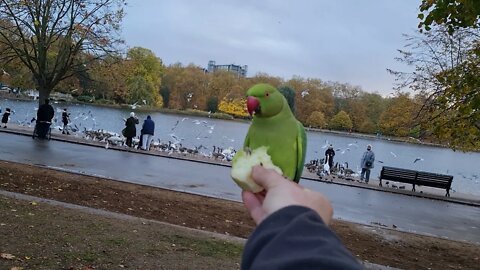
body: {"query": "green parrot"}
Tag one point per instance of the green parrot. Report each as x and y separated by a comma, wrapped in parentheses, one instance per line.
(275, 127)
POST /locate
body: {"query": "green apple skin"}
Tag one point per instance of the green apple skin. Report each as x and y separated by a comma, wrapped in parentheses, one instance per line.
(242, 166)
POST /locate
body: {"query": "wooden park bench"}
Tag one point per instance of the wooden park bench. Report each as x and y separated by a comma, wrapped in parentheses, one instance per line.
(417, 178)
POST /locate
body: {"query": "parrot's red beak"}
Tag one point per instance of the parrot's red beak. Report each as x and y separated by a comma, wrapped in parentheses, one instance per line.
(253, 105)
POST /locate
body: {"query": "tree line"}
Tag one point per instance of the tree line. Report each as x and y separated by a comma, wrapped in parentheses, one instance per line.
(74, 46)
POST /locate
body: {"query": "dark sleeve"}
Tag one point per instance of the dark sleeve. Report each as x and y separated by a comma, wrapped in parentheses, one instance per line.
(295, 237)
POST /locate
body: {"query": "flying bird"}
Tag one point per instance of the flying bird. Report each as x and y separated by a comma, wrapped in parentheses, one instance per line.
(304, 93)
(418, 159)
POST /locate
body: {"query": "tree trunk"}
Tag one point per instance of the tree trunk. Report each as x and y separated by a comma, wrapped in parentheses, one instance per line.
(43, 94)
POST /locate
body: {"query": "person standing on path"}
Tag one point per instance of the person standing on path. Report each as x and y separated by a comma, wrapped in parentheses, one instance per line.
(130, 128)
(65, 120)
(45, 115)
(5, 117)
(329, 154)
(368, 159)
(148, 129)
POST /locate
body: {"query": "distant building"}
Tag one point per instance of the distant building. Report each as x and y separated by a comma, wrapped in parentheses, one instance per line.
(240, 71)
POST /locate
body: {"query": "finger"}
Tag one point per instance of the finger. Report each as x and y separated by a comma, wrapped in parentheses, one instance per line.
(253, 205)
(266, 178)
(261, 196)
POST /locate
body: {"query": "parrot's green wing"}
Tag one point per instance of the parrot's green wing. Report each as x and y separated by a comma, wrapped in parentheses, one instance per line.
(301, 151)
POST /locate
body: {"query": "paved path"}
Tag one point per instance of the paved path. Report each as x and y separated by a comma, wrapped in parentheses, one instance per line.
(419, 215)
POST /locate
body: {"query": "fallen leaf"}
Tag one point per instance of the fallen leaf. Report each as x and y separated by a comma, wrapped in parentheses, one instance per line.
(16, 268)
(33, 203)
(7, 256)
(27, 258)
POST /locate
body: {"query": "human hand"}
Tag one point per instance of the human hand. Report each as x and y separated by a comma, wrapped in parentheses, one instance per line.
(279, 193)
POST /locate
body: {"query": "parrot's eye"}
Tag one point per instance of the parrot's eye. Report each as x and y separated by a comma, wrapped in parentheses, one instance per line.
(267, 94)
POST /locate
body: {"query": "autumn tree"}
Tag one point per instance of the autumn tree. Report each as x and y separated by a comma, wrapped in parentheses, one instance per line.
(55, 39)
(311, 95)
(341, 121)
(109, 77)
(397, 119)
(220, 83)
(144, 82)
(187, 86)
(316, 120)
(446, 72)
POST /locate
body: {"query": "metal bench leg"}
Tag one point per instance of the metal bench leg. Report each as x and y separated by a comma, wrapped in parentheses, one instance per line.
(448, 193)
(413, 188)
(380, 184)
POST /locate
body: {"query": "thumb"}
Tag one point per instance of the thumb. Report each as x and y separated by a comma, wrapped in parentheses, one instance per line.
(266, 178)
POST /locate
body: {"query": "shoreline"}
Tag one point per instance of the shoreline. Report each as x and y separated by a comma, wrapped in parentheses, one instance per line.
(224, 116)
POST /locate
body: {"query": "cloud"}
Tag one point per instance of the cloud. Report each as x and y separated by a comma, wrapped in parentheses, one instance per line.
(347, 41)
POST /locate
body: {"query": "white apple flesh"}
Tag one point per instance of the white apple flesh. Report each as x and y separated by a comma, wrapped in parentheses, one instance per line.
(242, 166)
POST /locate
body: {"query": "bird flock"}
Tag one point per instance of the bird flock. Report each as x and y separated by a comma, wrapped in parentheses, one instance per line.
(173, 146)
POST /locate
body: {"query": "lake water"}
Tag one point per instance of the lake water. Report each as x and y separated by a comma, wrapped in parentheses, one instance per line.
(196, 131)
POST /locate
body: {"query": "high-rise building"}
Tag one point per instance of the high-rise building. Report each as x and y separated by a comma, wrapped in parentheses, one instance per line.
(240, 71)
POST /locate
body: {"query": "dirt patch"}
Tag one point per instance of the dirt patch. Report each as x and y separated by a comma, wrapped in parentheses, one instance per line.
(41, 236)
(377, 245)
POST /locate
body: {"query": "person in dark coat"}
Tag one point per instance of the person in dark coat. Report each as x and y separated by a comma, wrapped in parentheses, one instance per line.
(329, 154)
(148, 130)
(292, 228)
(130, 128)
(65, 120)
(45, 115)
(5, 117)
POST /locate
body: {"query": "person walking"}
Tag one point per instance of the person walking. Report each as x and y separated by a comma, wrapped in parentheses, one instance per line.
(65, 120)
(130, 130)
(5, 117)
(329, 154)
(368, 159)
(148, 129)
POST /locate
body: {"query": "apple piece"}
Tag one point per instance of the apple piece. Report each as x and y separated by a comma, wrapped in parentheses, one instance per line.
(243, 163)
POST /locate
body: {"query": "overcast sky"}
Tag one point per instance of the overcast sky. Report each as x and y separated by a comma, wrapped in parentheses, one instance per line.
(350, 41)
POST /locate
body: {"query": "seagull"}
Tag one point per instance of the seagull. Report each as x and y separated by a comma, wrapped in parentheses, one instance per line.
(305, 93)
(418, 159)
(393, 154)
(134, 105)
(326, 144)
